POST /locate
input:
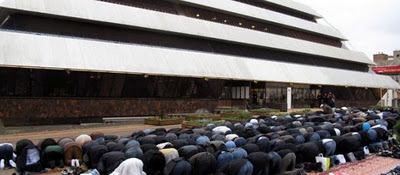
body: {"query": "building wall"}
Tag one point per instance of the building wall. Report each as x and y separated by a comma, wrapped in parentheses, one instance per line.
(396, 54)
(380, 57)
(36, 111)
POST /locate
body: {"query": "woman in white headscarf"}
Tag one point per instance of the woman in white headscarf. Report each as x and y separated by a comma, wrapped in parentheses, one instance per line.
(132, 166)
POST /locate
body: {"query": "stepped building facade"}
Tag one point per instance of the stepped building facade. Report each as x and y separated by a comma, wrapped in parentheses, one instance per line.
(69, 61)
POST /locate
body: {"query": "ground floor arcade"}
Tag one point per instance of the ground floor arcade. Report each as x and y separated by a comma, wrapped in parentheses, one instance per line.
(39, 96)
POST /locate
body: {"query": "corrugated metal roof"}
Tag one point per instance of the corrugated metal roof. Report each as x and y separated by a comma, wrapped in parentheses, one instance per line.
(51, 52)
(267, 15)
(135, 17)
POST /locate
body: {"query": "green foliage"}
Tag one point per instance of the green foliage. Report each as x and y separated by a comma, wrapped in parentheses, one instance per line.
(163, 121)
(302, 112)
(235, 109)
(165, 117)
(201, 115)
(198, 122)
(264, 111)
(244, 115)
(279, 114)
(203, 123)
(238, 116)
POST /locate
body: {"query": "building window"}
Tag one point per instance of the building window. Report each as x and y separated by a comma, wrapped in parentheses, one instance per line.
(241, 92)
(276, 94)
(61, 83)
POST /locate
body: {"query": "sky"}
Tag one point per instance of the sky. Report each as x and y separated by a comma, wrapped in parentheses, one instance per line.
(372, 26)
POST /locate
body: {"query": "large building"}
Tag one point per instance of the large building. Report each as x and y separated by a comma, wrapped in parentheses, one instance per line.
(388, 65)
(74, 60)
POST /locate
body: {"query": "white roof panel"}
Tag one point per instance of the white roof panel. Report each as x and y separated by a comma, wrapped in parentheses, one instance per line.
(254, 12)
(51, 52)
(295, 6)
(136, 17)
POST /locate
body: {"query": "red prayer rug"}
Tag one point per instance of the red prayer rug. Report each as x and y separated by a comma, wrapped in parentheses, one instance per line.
(372, 165)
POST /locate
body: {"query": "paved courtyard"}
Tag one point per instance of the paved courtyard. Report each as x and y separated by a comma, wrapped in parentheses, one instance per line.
(37, 133)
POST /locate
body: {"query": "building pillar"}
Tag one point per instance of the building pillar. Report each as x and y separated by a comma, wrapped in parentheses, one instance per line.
(289, 98)
(381, 99)
(390, 98)
(395, 104)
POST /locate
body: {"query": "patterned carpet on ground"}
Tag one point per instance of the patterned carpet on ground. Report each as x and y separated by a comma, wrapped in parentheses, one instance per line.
(372, 165)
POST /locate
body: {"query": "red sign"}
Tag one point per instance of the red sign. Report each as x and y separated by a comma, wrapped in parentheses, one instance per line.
(387, 70)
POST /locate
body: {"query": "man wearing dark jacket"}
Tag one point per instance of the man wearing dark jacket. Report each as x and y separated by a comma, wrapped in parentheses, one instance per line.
(110, 161)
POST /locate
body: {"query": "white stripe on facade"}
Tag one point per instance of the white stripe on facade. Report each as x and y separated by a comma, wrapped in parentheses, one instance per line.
(61, 53)
(295, 6)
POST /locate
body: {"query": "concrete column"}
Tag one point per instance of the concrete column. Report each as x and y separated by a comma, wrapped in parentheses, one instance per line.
(395, 105)
(289, 98)
(382, 101)
(390, 98)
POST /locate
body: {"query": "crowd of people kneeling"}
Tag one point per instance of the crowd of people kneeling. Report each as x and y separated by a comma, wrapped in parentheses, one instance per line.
(262, 146)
